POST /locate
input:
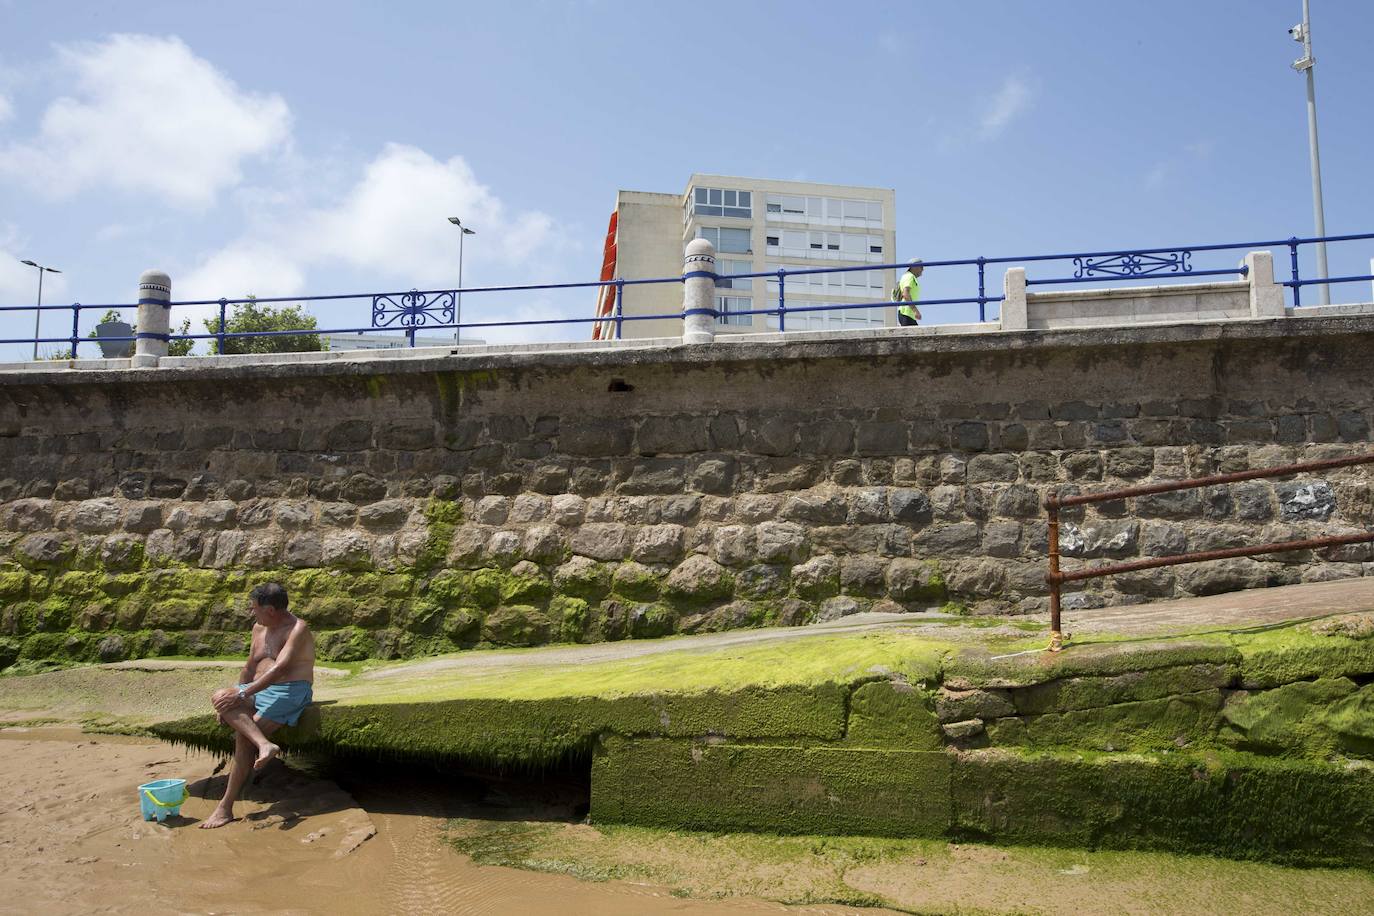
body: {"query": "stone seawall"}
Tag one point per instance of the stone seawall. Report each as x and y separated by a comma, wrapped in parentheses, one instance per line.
(424, 504)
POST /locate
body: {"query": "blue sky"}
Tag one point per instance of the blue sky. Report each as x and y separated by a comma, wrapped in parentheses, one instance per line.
(310, 148)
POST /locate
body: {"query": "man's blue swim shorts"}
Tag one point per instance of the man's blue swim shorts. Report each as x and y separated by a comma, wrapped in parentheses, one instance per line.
(283, 702)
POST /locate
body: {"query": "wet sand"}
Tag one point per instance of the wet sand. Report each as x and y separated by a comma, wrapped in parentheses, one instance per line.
(73, 841)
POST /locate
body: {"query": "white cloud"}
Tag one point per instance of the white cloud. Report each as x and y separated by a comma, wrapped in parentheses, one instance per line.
(6, 109)
(1011, 100)
(144, 114)
(391, 222)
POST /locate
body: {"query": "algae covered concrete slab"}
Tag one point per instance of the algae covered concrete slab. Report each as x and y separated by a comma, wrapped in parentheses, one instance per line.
(1237, 805)
(782, 789)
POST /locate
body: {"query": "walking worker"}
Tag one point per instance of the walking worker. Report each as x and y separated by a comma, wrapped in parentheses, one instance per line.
(908, 291)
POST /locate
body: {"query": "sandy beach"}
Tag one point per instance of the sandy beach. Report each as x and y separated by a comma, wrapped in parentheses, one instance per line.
(73, 841)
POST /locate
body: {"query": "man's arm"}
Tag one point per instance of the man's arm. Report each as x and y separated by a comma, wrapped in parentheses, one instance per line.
(282, 664)
(255, 653)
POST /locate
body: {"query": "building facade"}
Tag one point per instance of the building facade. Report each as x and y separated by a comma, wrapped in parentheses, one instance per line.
(760, 225)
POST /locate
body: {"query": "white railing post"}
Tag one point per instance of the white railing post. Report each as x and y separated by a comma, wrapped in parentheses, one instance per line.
(699, 292)
(1266, 296)
(1014, 300)
(154, 319)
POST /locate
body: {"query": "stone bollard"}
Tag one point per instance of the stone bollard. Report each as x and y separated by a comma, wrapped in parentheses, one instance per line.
(1014, 300)
(154, 319)
(1266, 296)
(699, 293)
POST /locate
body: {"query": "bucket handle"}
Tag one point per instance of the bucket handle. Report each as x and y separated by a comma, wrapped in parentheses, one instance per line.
(185, 794)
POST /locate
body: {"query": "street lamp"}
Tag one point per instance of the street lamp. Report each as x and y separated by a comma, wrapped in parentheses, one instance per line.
(463, 230)
(1302, 32)
(38, 312)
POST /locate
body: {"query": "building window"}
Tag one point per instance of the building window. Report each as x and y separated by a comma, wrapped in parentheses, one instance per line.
(773, 241)
(875, 249)
(725, 268)
(727, 241)
(722, 202)
(727, 306)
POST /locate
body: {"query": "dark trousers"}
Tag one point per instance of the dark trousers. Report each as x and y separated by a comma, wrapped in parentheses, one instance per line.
(905, 320)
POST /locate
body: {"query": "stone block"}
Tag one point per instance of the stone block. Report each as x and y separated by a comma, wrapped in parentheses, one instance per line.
(44, 550)
(601, 541)
(349, 436)
(1159, 539)
(363, 488)
(713, 475)
(993, 468)
(1219, 576)
(816, 507)
(971, 437)
(979, 578)
(880, 438)
(1305, 500)
(1002, 539)
(649, 476)
(868, 506)
(528, 508)
(349, 549)
(543, 543)
(818, 577)
(582, 577)
(1129, 463)
(1175, 504)
(675, 435)
(97, 516)
(519, 625)
(658, 544)
(733, 545)
(567, 509)
(503, 547)
(770, 435)
(142, 517)
(779, 542)
(909, 507)
(911, 580)
(1099, 538)
(827, 437)
(837, 607)
(335, 515)
(303, 550)
(1017, 501)
(492, 510)
(698, 580)
(215, 514)
(680, 510)
(386, 515)
(863, 575)
(761, 581)
(959, 539)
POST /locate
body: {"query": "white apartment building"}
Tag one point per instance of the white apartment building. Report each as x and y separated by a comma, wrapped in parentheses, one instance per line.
(760, 225)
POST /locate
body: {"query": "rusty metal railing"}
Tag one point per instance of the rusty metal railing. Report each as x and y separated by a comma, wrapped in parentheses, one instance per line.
(1054, 503)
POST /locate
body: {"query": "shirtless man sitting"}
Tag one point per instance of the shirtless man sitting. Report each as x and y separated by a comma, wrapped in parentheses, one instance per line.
(274, 687)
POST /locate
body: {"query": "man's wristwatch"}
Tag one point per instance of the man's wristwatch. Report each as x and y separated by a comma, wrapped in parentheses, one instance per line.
(243, 692)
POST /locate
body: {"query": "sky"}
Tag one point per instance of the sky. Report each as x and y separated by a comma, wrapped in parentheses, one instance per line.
(313, 148)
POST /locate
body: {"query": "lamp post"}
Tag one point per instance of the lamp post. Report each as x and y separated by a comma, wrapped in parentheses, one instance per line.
(462, 231)
(38, 312)
(1302, 32)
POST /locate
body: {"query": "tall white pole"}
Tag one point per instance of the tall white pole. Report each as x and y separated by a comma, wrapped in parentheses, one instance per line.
(1306, 64)
(38, 314)
(458, 331)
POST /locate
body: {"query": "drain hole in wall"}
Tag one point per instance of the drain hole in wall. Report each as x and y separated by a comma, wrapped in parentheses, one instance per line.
(619, 384)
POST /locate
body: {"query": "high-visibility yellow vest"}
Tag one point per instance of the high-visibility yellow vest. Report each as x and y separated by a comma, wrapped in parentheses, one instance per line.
(911, 287)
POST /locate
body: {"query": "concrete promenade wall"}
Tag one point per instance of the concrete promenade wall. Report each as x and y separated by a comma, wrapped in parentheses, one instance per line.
(422, 504)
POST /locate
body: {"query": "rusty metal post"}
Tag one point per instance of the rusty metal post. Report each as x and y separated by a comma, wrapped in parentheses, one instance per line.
(1053, 577)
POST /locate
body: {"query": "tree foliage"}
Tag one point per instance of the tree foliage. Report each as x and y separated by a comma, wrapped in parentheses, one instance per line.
(251, 317)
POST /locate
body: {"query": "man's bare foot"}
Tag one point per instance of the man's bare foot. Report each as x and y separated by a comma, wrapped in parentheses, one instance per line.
(264, 755)
(217, 819)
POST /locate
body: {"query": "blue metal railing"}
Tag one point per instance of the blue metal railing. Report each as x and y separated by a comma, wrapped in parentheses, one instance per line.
(412, 310)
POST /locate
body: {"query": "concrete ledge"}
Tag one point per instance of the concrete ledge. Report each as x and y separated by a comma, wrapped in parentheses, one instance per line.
(739, 349)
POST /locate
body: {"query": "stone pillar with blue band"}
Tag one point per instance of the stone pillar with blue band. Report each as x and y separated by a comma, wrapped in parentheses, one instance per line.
(154, 319)
(699, 293)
